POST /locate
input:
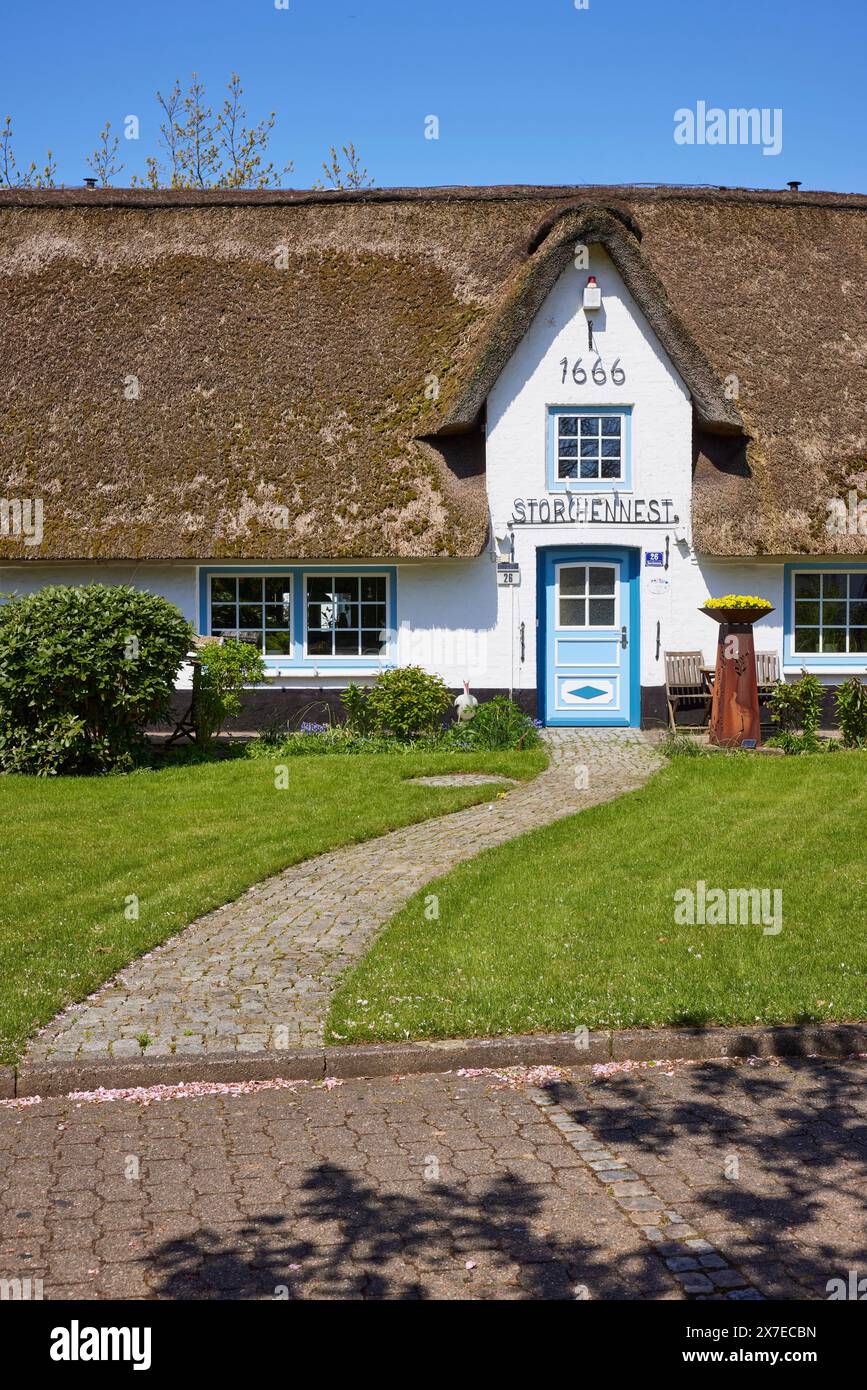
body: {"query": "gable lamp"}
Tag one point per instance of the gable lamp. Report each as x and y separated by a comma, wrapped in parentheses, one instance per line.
(592, 296)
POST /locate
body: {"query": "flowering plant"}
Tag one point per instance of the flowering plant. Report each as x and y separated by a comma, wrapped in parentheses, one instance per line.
(739, 601)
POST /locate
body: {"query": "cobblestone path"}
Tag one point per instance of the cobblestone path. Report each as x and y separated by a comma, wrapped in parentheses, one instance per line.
(259, 972)
(448, 1187)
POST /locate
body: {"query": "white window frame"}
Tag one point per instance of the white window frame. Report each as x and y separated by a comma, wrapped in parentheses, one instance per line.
(237, 575)
(342, 657)
(587, 565)
(845, 627)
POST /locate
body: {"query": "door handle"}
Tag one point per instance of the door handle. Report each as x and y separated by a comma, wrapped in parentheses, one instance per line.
(624, 640)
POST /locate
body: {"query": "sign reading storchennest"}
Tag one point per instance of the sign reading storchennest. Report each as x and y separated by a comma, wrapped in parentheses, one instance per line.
(593, 511)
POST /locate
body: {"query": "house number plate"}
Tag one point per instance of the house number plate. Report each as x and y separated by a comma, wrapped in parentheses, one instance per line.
(508, 575)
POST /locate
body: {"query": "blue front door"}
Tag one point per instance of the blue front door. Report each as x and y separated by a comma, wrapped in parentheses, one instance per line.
(588, 631)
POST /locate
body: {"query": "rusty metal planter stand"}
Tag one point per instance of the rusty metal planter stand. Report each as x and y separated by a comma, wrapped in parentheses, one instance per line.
(734, 719)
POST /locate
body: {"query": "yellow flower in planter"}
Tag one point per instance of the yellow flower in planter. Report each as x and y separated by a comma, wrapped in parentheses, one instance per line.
(738, 601)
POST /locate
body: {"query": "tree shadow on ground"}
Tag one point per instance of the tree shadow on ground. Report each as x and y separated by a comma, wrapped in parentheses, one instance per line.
(799, 1131)
(347, 1239)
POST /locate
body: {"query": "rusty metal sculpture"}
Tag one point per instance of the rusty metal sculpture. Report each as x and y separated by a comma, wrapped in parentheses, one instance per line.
(734, 718)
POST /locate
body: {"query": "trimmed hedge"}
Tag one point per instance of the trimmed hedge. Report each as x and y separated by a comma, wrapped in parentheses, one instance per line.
(82, 671)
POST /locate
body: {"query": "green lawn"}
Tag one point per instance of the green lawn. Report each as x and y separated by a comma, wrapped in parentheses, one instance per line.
(183, 840)
(574, 924)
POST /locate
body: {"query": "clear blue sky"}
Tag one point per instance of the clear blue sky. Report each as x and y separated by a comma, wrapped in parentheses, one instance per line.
(526, 91)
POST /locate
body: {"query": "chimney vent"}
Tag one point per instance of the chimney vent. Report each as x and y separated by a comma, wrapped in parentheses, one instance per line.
(794, 185)
(90, 183)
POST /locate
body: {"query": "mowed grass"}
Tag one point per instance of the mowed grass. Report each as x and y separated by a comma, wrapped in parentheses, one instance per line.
(574, 924)
(182, 840)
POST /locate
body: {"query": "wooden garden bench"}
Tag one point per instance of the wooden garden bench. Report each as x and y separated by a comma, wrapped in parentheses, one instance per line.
(685, 685)
(767, 672)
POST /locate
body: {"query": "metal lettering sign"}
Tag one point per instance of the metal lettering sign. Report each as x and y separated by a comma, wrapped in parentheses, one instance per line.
(593, 511)
(654, 557)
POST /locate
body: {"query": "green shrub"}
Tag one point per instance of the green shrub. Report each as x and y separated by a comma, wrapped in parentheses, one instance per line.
(498, 723)
(225, 668)
(359, 713)
(797, 706)
(82, 671)
(851, 705)
(407, 702)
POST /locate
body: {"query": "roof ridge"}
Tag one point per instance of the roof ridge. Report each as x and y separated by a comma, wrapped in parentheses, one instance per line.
(245, 197)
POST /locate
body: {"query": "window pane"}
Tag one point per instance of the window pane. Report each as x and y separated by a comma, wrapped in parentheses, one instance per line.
(806, 639)
(806, 586)
(251, 635)
(346, 587)
(345, 643)
(601, 579)
(571, 612)
(833, 613)
(589, 468)
(319, 615)
(568, 448)
(602, 612)
(319, 643)
(277, 590)
(833, 585)
(589, 448)
(249, 615)
(857, 613)
(567, 468)
(806, 612)
(318, 588)
(250, 590)
(858, 639)
(373, 615)
(573, 579)
(224, 590)
(611, 468)
(589, 425)
(277, 615)
(568, 424)
(611, 424)
(347, 614)
(373, 589)
(833, 639)
(611, 448)
(858, 584)
(224, 615)
(371, 643)
(278, 644)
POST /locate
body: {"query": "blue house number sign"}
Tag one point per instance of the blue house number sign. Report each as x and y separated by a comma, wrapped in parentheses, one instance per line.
(654, 558)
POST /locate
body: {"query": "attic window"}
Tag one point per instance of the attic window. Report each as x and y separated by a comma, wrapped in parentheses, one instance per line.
(588, 447)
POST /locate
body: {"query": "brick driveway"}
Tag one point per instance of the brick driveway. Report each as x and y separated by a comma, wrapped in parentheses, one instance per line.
(443, 1187)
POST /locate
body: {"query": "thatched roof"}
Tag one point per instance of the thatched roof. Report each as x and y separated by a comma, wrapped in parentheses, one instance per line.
(285, 347)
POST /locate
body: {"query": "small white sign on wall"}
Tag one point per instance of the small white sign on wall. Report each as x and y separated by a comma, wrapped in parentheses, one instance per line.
(508, 574)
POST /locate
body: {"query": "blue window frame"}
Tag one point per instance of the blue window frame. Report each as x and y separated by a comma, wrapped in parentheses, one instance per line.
(589, 448)
(304, 617)
(825, 615)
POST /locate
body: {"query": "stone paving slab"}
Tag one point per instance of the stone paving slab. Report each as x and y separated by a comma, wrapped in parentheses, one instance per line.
(601, 1185)
(258, 974)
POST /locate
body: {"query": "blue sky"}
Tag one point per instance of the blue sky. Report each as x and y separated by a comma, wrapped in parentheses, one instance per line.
(526, 91)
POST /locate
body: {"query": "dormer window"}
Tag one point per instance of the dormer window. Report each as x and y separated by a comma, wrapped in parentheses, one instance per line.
(588, 448)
